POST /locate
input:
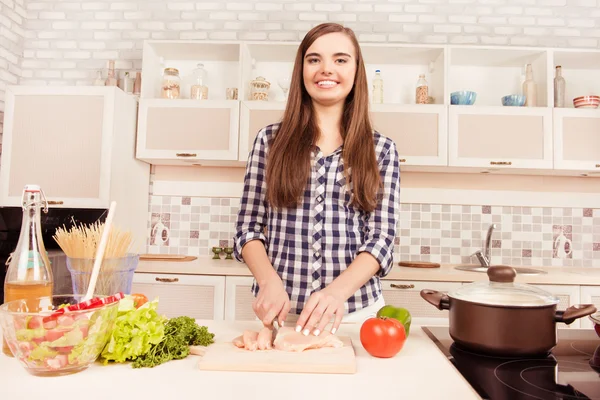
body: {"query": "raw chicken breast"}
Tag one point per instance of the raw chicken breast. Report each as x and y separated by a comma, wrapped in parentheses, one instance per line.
(288, 339)
(252, 340)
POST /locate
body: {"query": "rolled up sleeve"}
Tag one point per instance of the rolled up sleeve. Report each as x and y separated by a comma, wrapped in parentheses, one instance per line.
(382, 223)
(252, 214)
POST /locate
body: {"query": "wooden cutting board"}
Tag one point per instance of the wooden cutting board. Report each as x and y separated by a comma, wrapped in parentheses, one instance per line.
(227, 357)
(166, 257)
(418, 264)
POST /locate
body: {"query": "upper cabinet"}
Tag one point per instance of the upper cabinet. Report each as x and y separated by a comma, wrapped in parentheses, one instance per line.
(577, 130)
(419, 130)
(487, 134)
(184, 120)
(78, 144)
(438, 134)
(493, 138)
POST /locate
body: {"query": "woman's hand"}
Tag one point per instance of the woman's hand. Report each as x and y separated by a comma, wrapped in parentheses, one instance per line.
(271, 302)
(320, 308)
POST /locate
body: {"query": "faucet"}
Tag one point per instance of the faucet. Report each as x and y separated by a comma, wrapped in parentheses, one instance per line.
(484, 256)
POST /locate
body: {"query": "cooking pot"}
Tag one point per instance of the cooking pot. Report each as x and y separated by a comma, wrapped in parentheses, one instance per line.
(501, 317)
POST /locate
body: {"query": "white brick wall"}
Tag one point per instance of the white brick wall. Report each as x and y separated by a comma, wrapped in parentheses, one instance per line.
(66, 42)
(12, 33)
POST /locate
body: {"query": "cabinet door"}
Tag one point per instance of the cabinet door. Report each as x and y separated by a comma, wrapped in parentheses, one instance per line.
(199, 297)
(589, 295)
(180, 132)
(568, 295)
(60, 140)
(254, 116)
(407, 294)
(239, 298)
(577, 139)
(420, 131)
(500, 137)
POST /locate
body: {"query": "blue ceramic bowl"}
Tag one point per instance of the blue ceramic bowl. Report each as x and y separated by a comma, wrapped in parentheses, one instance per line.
(516, 100)
(463, 98)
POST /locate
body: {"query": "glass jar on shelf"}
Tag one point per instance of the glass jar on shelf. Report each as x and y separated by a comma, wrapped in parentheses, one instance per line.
(422, 92)
(199, 89)
(259, 89)
(171, 84)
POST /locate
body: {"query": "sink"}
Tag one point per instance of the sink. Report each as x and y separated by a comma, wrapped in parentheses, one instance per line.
(520, 270)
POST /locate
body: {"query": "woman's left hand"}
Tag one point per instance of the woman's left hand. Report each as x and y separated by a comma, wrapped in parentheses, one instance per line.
(318, 312)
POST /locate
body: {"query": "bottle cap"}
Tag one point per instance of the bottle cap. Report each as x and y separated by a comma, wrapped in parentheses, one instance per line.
(32, 188)
(377, 70)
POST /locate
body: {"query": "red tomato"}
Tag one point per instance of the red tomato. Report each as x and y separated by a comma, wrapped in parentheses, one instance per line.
(382, 337)
(139, 299)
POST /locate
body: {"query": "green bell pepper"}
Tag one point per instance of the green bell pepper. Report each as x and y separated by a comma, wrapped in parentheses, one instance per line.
(399, 313)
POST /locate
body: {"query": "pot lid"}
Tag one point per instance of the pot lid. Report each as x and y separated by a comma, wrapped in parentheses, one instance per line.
(501, 290)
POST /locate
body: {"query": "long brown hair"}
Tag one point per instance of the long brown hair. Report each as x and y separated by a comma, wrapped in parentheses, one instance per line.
(288, 165)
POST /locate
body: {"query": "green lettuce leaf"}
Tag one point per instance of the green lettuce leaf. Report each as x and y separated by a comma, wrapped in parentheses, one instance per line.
(135, 331)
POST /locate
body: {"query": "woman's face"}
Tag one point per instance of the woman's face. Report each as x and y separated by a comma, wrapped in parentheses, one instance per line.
(329, 68)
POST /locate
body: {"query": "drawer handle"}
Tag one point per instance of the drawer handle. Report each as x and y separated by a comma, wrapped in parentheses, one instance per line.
(501, 162)
(186, 155)
(55, 202)
(395, 286)
(402, 160)
(167, 279)
(597, 165)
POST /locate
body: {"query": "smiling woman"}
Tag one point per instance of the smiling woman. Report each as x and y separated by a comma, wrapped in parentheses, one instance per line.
(325, 186)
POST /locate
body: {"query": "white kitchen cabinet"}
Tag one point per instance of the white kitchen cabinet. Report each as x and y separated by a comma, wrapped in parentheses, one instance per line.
(254, 116)
(589, 295)
(183, 130)
(78, 144)
(186, 132)
(407, 294)
(196, 296)
(490, 138)
(239, 298)
(577, 140)
(568, 295)
(419, 131)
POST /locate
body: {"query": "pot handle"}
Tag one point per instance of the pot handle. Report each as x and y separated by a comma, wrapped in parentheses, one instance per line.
(439, 300)
(574, 312)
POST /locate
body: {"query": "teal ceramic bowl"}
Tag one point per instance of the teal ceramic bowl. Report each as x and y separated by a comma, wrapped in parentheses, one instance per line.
(463, 98)
(514, 100)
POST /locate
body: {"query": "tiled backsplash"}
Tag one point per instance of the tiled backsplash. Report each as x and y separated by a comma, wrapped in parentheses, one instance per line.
(439, 233)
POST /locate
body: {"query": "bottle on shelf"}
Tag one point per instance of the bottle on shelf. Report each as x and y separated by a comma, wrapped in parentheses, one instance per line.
(111, 79)
(29, 274)
(137, 84)
(99, 81)
(422, 91)
(199, 90)
(378, 88)
(559, 88)
(529, 88)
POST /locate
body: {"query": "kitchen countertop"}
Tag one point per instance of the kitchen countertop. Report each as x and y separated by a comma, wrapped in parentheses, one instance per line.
(419, 371)
(446, 273)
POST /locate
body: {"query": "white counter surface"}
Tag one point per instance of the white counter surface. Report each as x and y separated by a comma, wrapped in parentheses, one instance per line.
(446, 273)
(419, 371)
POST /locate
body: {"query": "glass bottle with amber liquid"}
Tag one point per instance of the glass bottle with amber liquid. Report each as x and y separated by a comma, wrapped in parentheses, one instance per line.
(29, 273)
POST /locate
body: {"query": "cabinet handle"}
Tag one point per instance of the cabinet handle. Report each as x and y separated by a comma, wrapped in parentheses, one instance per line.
(186, 155)
(402, 160)
(55, 202)
(501, 162)
(167, 279)
(411, 286)
(597, 165)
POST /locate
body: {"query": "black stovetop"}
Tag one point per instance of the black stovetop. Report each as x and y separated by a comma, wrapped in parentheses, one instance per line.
(570, 371)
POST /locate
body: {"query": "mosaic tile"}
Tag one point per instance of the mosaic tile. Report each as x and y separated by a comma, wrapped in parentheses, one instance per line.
(426, 232)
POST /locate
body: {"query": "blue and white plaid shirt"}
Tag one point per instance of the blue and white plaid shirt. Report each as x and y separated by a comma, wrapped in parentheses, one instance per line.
(309, 246)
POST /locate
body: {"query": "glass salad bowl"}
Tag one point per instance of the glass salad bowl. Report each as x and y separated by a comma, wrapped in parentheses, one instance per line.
(49, 339)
